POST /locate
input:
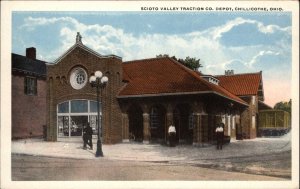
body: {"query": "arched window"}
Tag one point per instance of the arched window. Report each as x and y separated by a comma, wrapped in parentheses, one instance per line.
(74, 115)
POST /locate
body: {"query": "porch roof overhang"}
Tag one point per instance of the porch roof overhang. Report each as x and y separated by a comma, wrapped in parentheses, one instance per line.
(179, 94)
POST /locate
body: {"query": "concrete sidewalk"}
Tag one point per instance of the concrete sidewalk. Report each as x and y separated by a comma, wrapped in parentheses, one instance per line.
(152, 152)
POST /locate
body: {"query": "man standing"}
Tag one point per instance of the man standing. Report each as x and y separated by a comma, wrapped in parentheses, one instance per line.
(172, 135)
(220, 135)
(87, 136)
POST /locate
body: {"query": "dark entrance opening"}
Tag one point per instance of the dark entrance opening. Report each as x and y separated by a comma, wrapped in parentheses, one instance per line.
(135, 123)
(77, 125)
(183, 121)
(158, 124)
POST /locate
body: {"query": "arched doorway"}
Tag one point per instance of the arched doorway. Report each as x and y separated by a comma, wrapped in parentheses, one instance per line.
(184, 122)
(135, 115)
(158, 124)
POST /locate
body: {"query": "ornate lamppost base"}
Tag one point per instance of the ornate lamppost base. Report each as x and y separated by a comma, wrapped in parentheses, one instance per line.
(99, 152)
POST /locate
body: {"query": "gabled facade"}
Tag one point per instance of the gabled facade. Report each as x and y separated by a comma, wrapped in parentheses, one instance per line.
(28, 95)
(71, 101)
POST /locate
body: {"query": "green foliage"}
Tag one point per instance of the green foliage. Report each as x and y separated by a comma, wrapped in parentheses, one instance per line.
(286, 106)
(189, 62)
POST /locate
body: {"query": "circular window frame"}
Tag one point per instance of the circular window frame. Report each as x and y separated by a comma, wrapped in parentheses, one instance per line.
(78, 78)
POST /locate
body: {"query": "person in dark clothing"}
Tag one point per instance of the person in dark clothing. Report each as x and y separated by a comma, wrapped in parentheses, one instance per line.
(87, 136)
(220, 135)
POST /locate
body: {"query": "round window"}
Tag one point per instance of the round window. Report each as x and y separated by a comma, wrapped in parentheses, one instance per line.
(78, 78)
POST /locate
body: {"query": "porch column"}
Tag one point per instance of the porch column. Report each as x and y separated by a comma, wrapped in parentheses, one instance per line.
(169, 120)
(204, 128)
(146, 127)
(125, 126)
(51, 108)
(211, 127)
(200, 129)
(197, 137)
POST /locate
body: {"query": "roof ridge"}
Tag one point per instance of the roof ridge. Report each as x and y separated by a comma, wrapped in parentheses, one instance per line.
(253, 73)
(205, 82)
(141, 60)
(188, 70)
(23, 56)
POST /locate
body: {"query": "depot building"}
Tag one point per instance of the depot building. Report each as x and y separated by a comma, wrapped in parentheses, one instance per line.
(142, 99)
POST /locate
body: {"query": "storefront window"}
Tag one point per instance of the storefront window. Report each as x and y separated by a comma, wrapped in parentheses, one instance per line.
(63, 107)
(94, 124)
(77, 125)
(93, 106)
(74, 115)
(79, 106)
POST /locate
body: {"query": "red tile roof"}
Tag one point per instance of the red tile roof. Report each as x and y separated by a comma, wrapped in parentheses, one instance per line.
(163, 76)
(241, 84)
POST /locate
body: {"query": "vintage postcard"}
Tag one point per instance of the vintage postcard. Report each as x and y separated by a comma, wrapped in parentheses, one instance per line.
(149, 94)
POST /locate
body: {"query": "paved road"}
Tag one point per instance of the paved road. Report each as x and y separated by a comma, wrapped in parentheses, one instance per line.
(32, 168)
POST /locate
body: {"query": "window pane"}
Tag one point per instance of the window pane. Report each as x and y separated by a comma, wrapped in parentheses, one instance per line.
(30, 86)
(93, 106)
(63, 125)
(63, 107)
(79, 106)
(94, 124)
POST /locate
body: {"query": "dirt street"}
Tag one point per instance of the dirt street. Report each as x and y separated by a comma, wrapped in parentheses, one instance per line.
(35, 168)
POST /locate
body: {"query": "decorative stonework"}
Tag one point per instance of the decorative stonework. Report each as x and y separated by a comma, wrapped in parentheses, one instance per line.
(78, 78)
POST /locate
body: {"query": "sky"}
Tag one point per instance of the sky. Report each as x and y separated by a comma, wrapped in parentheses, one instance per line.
(239, 41)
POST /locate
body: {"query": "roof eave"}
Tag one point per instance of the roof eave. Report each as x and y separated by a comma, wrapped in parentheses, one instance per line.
(162, 94)
(78, 44)
(243, 103)
(178, 94)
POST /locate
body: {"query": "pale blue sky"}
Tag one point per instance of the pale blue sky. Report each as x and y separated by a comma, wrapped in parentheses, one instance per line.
(241, 41)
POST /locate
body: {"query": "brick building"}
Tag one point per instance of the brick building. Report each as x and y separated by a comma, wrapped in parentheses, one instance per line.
(143, 97)
(160, 92)
(249, 87)
(71, 101)
(28, 95)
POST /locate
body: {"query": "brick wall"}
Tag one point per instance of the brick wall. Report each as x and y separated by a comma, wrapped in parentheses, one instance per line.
(28, 111)
(249, 132)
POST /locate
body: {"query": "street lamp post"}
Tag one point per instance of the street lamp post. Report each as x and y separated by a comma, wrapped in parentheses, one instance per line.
(99, 82)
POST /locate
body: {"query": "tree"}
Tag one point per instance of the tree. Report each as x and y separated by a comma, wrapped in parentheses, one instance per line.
(192, 63)
(286, 106)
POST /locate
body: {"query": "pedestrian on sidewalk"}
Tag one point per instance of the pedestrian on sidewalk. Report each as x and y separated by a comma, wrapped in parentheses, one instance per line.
(220, 135)
(87, 136)
(172, 135)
